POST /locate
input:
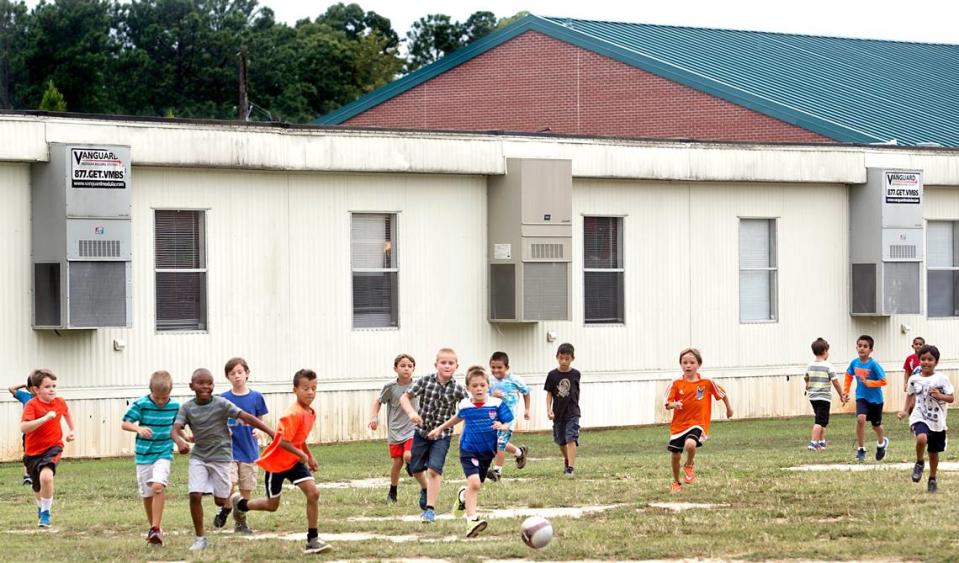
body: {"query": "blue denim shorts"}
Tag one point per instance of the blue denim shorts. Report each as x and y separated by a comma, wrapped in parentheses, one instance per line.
(566, 430)
(428, 453)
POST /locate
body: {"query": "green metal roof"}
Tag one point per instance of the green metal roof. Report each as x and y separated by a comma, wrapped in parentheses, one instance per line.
(850, 90)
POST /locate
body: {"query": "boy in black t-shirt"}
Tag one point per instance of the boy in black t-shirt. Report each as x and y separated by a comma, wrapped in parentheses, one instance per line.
(562, 405)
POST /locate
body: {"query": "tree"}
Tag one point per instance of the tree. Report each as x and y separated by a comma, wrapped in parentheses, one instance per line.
(52, 100)
(436, 36)
(14, 22)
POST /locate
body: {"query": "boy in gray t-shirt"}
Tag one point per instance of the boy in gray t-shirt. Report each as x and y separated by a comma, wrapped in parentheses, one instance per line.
(399, 426)
(207, 416)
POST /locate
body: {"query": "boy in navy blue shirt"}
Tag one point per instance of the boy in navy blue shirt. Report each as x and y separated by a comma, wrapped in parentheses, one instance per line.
(484, 417)
(870, 379)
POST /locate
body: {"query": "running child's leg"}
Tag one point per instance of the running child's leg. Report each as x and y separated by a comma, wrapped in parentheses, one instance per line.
(921, 440)
(196, 513)
(395, 471)
(312, 502)
(861, 430)
(933, 464)
(571, 454)
(674, 459)
(155, 512)
(690, 448)
(473, 486)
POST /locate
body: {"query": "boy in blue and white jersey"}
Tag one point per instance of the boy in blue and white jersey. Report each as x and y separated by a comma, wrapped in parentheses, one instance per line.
(507, 386)
(483, 416)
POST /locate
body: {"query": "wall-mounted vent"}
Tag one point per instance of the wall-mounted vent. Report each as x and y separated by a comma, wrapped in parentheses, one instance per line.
(540, 251)
(901, 251)
(99, 248)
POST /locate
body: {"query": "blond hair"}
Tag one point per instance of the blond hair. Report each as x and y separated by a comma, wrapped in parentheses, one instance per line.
(446, 351)
(476, 371)
(161, 382)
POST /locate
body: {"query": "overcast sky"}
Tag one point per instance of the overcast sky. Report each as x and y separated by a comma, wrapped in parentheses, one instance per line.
(914, 20)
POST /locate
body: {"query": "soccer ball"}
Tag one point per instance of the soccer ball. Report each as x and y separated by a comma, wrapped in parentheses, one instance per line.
(536, 532)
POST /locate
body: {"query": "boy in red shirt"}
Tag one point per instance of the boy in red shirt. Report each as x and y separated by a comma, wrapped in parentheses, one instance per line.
(689, 398)
(288, 458)
(44, 438)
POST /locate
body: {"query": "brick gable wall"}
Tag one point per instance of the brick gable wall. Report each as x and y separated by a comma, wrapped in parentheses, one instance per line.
(536, 83)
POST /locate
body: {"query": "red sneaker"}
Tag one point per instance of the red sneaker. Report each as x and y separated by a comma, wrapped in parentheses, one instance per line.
(689, 475)
(675, 487)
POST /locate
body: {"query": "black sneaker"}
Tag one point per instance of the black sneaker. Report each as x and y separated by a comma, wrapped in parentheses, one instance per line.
(220, 519)
(933, 486)
(881, 450)
(492, 475)
(917, 471)
(391, 497)
(521, 458)
(861, 455)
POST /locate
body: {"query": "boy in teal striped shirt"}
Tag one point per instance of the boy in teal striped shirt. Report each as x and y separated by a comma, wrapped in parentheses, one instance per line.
(151, 417)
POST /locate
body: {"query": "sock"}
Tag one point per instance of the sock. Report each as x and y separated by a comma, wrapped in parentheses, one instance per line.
(311, 533)
(241, 505)
(498, 468)
(430, 507)
(46, 503)
(393, 490)
(225, 511)
(518, 453)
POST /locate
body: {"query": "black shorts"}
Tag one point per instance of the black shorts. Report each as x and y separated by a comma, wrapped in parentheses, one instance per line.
(935, 441)
(873, 411)
(821, 410)
(36, 463)
(474, 464)
(676, 445)
(566, 431)
(296, 475)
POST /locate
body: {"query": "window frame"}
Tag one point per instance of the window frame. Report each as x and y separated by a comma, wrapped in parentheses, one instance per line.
(954, 268)
(204, 323)
(395, 269)
(621, 255)
(772, 269)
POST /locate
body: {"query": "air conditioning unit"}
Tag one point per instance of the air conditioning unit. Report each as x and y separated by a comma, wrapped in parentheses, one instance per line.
(529, 224)
(886, 243)
(81, 237)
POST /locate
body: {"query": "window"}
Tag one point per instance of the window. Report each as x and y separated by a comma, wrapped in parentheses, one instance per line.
(942, 268)
(757, 270)
(180, 253)
(375, 272)
(603, 270)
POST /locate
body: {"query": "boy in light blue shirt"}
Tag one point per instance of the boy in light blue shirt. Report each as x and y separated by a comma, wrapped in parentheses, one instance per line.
(870, 379)
(507, 386)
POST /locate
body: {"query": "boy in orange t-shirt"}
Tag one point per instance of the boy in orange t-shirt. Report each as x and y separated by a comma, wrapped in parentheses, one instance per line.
(288, 458)
(43, 445)
(689, 399)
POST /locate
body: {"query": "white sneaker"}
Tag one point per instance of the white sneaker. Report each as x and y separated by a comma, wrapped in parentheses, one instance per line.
(199, 543)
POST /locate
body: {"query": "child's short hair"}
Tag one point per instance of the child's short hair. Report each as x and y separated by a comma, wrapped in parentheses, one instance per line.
(161, 382)
(819, 346)
(476, 371)
(445, 351)
(233, 362)
(694, 352)
(566, 348)
(929, 349)
(38, 375)
(30, 380)
(299, 376)
(868, 339)
(396, 360)
(500, 357)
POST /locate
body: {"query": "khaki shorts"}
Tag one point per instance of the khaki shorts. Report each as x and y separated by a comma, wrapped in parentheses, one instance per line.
(243, 475)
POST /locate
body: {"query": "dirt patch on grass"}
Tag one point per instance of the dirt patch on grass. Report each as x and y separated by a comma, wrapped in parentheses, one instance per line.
(556, 512)
(944, 466)
(682, 506)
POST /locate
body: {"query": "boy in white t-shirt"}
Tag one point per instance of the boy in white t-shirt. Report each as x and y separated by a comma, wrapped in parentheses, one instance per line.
(927, 393)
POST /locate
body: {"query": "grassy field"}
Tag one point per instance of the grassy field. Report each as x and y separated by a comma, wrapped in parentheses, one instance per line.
(762, 512)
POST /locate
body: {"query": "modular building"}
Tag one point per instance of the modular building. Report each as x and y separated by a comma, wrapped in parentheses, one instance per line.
(132, 245)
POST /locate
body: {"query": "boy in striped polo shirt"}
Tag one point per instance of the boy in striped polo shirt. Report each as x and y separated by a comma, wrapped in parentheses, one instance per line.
(151, 417)
(819, 374)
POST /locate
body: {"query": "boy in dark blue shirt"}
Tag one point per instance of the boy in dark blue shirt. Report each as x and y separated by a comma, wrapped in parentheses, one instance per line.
(483, 416)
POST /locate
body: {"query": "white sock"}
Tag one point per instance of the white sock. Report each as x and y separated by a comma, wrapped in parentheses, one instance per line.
(46, 503)
(518, 453)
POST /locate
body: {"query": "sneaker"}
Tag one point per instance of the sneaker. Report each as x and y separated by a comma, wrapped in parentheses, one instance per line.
(422, 499)
(861, 455)
(155, 536)
(821, 444)
(881, 450)
(428, 516)
(474, 526)
(569, 472)
(813, 446)
(27, 480)
(521, 458)
(917, 471)
(238, 515)
(675, 487)
(220, 519)
(459, 503)
(199, 543)
(242, 529)
(391, 497)
(316, 545)
(933, 486)
(44, 519)
(689, 474)
(492, 475)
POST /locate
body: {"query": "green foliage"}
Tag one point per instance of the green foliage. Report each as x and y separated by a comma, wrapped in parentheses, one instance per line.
(52, 100)
(436, 36)
(14, 40)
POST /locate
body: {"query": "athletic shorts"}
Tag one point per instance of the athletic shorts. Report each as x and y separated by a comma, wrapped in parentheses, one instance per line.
(566, 431)
(210, 476)
(476, 464)
(821, 410)
(677, 444)
(397, 450)
(149, 473)
(935, 441)
(35, 463)
(243, 475)
(296, 475)
(428, 453)
(502, 438)
(873, 411)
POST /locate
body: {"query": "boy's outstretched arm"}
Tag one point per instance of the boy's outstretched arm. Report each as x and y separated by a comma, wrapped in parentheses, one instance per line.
(526, 406)
(453, 421)
(69, 420)
(549, 405)
(729, 407)
(940, 396)
(407, 406)
(29, 426)
(375, 415)
(14, 388)
(255, 422)
(907, 408)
